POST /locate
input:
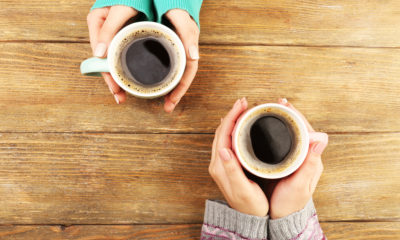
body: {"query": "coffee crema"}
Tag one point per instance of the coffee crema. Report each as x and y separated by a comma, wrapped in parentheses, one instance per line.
(269, 160)
(147, 60)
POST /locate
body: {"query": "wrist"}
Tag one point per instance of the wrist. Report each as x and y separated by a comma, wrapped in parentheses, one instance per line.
(293, 225)
(219, 216)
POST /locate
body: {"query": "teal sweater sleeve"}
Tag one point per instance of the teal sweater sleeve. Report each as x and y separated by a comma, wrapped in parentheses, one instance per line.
(191, 6)
(144, 6)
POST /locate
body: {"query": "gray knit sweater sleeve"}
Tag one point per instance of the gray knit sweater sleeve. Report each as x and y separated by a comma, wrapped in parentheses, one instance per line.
(297, 226)
(222, 222)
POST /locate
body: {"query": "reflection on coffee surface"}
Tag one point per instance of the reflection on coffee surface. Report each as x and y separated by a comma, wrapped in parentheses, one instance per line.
(147, 61)
(271, 139)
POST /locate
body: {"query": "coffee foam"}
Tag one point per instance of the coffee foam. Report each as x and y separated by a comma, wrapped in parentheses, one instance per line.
(169, 45)
(245, 148)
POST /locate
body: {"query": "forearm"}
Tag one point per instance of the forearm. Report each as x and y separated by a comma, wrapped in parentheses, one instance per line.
(222, 222)
(297, 226)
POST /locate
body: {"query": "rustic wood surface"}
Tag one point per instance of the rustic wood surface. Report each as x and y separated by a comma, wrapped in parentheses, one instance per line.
(148, 178)
(324, 22)
(74, 165)
(338, 89)
(333, 230)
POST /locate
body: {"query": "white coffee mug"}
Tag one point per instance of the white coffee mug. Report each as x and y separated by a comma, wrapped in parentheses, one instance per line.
(241, 142)
(112, 64)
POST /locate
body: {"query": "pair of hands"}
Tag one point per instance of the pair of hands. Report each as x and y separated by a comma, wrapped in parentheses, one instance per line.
(289, 194)
(105, 22)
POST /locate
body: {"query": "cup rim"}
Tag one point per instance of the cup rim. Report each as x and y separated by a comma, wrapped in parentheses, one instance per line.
(304, 147)
(170, 33)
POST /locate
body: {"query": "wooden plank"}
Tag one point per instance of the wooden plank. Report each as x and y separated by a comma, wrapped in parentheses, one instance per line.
(60, 178)
(362, 230)
(333, 230)
(97, 232)
(355, 23)
(338, 89)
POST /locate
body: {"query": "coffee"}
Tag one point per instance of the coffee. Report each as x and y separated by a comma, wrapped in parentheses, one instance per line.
(271, 139)
(146, 61)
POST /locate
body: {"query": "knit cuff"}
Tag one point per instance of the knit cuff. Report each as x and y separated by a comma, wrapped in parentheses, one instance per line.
(292, 226)
(220, 218)
(191, 6)
(144, 6)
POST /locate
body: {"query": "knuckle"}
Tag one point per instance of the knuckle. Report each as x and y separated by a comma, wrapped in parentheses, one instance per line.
(211, 171)
(89, 17)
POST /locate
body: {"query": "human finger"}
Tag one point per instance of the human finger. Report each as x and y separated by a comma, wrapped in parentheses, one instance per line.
(117, 17)
(95, 20)
(172, 99)
(286, 103)
(229, 121)
(238, 182)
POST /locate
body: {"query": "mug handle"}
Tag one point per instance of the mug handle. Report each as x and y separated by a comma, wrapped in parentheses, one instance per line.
(94, 66)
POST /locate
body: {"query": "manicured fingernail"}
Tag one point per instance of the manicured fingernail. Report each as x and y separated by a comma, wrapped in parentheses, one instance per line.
(112, 92)
(224, 154)
(116, 99)
(100, 50)
(318, 148)
(194, 52)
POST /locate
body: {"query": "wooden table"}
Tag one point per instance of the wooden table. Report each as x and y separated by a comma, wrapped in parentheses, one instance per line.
(74, 165)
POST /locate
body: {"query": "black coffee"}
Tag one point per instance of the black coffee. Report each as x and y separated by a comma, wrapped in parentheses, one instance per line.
(271, 139)
(147, 61)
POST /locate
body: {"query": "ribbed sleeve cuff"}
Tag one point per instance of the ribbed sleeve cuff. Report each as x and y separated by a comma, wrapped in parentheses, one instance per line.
(191, 6)
(219, 216)
(144, 6)
(291, 226)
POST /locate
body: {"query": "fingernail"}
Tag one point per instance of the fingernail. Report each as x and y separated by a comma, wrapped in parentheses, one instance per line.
(116, 99)
(100, 50)
(242, 100)
(194, 52)
(284, 101)
(318, 148)
(224, 154)
(112, 92)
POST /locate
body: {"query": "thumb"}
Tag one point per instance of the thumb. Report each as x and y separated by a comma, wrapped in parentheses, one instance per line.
(116, 18)
(233, 169)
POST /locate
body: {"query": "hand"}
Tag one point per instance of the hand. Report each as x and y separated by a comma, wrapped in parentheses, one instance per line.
(241, 193)
(188, 32)
(103, 24)
(292, 193)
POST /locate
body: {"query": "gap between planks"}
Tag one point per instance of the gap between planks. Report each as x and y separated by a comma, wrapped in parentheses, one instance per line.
(205, 44)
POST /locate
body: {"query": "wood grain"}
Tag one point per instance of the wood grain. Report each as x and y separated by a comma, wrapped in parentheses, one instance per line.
(338, 89)
(333, 230)
(49, 178)
(97, 232)
(346, 23)
(362, 230)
